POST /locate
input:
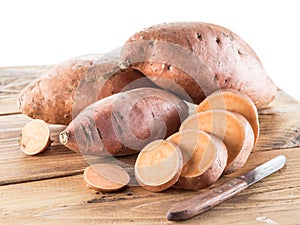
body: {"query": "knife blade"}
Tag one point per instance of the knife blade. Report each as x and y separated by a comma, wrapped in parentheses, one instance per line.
(207, 200)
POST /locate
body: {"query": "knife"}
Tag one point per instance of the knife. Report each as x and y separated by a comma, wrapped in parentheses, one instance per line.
(207, 200)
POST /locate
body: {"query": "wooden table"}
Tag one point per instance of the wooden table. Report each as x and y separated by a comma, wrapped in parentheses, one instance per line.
(49, 188)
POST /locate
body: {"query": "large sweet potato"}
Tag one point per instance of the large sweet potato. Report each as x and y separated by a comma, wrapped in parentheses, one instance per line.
(124, 123)
(194, 59)
(73, 85)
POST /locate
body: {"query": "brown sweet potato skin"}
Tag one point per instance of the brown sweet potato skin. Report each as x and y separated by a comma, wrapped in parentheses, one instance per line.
(124, 123)
(71, 86)
(200, 58)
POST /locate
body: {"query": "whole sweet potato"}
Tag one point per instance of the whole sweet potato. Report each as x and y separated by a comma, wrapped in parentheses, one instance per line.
(73, 85)
(194, 59)
(124, 123)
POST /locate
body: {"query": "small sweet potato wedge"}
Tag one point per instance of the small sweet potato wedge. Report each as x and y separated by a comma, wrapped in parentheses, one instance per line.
(235, 101)
(204, 158)
(106, 177)
(158, 165)
(232, 128)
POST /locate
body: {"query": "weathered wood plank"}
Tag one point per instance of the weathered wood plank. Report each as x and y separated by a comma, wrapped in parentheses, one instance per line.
(12, 81)
(68, 200)
(18, 72)
(56, 161)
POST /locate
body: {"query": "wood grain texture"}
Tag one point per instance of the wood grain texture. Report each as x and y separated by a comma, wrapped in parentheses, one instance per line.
(56, 161)
(49, 189)
(12, 81)
(68, 200)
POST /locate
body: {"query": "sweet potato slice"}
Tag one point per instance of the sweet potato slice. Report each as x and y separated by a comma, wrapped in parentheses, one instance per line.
(235, 101)
(106, 177)
(204, 158)
(158, 165)
(232, 128)
(35, 137)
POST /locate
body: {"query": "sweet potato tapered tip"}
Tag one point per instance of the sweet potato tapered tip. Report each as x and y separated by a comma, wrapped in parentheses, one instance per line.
(63, 138)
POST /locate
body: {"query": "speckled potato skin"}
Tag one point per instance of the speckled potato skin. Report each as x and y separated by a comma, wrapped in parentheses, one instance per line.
(199, 58)
(71, 86)
(122, 124)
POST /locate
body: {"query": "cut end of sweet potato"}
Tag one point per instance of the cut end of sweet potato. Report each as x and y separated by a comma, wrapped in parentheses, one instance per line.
(63, 137)
(196, 150)
(205, 159)
(235, 101)
(35, 137)
(238, 160)
(158, 165)
(106, 177)
(232, 128)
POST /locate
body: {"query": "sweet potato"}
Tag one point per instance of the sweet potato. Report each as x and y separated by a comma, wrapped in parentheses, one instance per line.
(235, 101)
(158, 166)
(106, 177)
(204, 158)
(232, 128)
(35, 137)
(71, 86)
(124, 123)
(194, 59)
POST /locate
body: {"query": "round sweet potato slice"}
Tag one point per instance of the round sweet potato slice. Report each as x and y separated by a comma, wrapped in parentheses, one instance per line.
(106, 177)
(235, 101)
(35, 137)
(233, 129)
(158, 165)
(204, 158)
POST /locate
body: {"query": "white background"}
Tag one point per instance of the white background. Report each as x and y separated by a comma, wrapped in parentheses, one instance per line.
(39, 32)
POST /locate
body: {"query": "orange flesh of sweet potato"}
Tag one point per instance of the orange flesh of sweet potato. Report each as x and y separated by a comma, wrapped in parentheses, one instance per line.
(232, 128)
(106, 177)
(35, 137)
(158, 165)
(235, 101)
(204, 158)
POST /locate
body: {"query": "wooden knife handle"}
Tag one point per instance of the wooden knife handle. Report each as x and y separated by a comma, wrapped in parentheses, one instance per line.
(206, 200)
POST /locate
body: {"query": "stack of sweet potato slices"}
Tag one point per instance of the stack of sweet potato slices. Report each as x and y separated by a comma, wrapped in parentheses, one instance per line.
(217, 139)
